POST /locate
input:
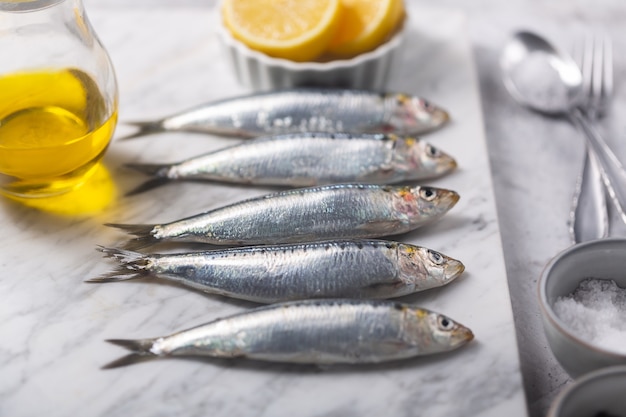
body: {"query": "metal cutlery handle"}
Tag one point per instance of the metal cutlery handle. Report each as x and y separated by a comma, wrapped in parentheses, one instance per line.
(589, 218)
(611, 170)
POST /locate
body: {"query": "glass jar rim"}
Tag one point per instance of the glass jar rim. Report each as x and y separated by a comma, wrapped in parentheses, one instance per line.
(26, 5)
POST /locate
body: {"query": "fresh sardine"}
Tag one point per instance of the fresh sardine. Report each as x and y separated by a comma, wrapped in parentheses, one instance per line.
(272, 273)
(314, 332)
(307, 159)
(305, 110)
(340, 211)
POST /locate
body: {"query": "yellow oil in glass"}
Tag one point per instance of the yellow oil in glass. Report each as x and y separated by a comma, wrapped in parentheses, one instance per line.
(88, 198)
(54, 128)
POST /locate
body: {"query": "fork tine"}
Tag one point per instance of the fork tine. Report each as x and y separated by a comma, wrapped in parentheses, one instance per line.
(586, 66)
(596, 86)
(577, 54)
(607, 67)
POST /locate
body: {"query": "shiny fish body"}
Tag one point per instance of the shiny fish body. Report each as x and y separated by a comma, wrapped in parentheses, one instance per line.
(307, 159)
(268, 274)
(305, 110)
(339, 211)
(312, 332)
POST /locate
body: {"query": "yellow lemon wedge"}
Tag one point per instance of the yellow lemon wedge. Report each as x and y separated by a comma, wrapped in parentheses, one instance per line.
(364, 25)
(298, 30)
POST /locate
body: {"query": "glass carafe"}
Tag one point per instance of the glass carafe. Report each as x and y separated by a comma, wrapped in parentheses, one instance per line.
(58, 97)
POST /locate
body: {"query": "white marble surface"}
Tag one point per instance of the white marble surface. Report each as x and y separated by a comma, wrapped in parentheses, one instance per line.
(53, 326)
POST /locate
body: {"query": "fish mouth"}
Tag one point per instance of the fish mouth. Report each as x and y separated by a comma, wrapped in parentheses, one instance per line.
(441, 163)
(433, 117)
(420, 116)
(453, 270)
(449, 198)
(462, 336)
(446, 164)
(440, 116)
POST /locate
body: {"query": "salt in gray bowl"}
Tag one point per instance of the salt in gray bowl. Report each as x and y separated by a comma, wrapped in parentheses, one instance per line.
(602, 259)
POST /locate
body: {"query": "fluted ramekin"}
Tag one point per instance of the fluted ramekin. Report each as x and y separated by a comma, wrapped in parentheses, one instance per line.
(257, 71)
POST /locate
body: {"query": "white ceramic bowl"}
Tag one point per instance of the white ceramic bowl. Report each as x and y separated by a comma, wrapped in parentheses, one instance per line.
(603, 259)
(599, 393)
(257, 71)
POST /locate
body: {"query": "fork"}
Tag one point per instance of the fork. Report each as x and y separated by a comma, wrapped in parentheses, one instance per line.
(589, 215)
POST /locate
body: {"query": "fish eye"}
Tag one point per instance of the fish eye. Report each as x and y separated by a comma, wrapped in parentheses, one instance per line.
(435, 257)
(427, 193)
(444, 323)
(432, 151)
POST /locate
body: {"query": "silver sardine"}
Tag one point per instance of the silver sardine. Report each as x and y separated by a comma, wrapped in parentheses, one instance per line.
(272, 273)
(311, 332)
(339, 211)
(307, 159)
(305, 110)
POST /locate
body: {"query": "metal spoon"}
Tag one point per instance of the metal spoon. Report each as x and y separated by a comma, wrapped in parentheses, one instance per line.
(548, 81)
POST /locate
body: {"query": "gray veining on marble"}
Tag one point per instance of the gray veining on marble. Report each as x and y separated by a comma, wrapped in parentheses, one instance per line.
(54, 325)
(57, 324)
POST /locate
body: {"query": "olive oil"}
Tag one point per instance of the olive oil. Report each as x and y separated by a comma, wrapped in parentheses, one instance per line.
(54, 127)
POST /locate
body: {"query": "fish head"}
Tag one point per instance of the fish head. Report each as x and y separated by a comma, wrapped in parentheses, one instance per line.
(447, 333)
(434, 332)
(425, 268)
(415, 155)
(422, 203)
(411, 115)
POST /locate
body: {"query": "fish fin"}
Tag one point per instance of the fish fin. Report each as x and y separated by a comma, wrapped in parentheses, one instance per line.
(119, 274)
(375, 227)
(130, 359)
(134, 229)
(142, 231)
(144, 128)
(390, 285)
(121, 255)
(160, 171)
(140, 352)
(155, 170)
(139, 243)
(133, 265)
(147, 186)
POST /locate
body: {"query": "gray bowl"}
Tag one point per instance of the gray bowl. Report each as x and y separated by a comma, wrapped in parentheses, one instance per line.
(603, 259)
(598, 392)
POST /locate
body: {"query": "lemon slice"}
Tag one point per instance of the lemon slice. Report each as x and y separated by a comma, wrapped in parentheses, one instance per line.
(364, 25)
(298, 30)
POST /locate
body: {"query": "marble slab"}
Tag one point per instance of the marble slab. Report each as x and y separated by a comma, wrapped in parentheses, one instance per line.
(53, 326)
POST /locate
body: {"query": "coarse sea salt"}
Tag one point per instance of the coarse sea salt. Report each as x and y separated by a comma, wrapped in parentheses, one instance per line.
(596, 313)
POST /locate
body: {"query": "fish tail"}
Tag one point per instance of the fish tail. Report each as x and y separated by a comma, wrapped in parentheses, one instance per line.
(120, 273)
(143, 232)
(140, 349)
(159, 171)
(126, 257)
(155, 170)
(133, 265)
(147, 186)
(144, 129)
